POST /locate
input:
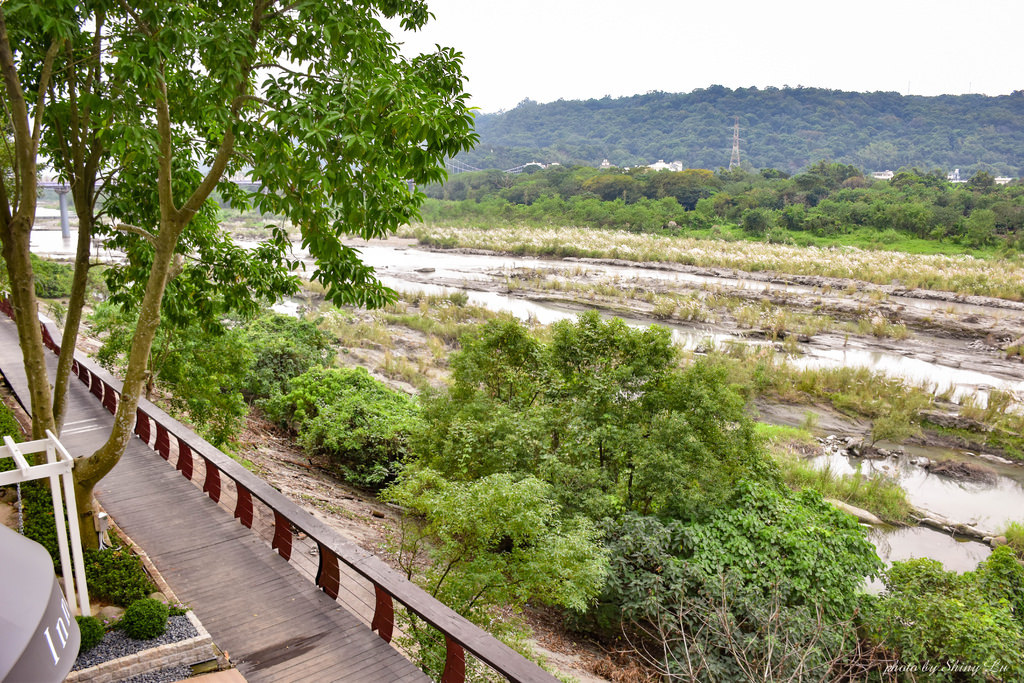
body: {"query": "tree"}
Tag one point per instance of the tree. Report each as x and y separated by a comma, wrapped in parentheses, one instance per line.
(201, 371)
(767, 586)
(312, 98)
(493, 544)
(24, 111)
(602, 412)
(757, 221)
(981, 228)
(610, 186)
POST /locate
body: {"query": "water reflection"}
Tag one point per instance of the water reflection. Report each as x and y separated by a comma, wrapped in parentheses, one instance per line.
(986, 506)
(906, 543)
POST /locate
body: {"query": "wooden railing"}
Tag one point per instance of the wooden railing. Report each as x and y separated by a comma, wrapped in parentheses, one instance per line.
(287, 522)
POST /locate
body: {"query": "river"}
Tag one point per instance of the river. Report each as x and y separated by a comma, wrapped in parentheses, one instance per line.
(406, 268)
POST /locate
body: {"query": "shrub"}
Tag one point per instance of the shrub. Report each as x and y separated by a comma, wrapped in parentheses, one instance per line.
(283, 347)
(37, 506)
(116, 575)
(768, 568)
(9, 426)
(144, 619)
(92, 632)
(53, 280)
(929, 615)
(353, 419)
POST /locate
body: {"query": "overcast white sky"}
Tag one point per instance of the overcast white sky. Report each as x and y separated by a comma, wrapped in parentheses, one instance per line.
(580, 49)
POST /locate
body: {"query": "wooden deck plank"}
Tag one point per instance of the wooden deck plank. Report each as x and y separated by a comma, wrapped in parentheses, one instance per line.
(364, 666)
(325, 668)
(358, 663)
(222, 570)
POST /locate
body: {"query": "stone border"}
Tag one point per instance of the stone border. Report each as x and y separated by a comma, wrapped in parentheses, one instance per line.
(187, 652)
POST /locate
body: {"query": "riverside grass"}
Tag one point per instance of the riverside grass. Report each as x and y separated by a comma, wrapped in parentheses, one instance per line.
(996, 277)
(878, 494)
(708, 305)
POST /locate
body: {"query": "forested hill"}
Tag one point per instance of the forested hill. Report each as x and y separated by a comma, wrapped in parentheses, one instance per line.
(787, 129)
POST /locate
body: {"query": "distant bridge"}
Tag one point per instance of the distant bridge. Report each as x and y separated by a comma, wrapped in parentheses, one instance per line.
(62, 189)
(455, 167)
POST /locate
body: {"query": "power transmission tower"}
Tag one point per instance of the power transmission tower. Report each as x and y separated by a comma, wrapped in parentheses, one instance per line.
(734, 160)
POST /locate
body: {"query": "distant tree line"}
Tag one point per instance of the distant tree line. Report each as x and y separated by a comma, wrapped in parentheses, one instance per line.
(785, 128)
(828, 200)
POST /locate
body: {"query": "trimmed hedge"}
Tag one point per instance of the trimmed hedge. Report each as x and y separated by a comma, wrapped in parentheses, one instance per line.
(144, 619)
(92, 632)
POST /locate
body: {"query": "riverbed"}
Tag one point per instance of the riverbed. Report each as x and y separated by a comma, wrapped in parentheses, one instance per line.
(942, 355)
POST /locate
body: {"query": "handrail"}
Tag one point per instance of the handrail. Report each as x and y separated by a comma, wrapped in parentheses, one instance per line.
(389, 585)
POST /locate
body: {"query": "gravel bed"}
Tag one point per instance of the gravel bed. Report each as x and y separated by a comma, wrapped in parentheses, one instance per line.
(116, 644)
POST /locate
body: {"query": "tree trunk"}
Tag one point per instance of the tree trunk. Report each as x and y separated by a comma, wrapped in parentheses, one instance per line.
(73, 321)
(17, 214)
(23, 298)
(89, 470)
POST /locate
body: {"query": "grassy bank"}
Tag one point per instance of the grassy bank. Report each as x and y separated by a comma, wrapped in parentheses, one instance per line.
(708, 305)
(878, 494)
(1003, 278)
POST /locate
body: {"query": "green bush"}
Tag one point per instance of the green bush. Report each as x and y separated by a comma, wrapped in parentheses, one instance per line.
(768, 567)
(282, 347)
(960, 623)
(37, 505)
(144, 619)
(360, 424)
(92, 632)
(9, 426)
(116, 575)
(53, 280)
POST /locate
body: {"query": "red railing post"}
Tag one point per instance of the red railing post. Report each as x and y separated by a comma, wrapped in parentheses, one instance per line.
(163, 441)
(211, 483)
(243, 508)
(184, 459)
(142, 425)
(48, 341)
(282, 536)
(383, 614)
(454, 662)
(95, 386)
(327, 575)
(109, 398)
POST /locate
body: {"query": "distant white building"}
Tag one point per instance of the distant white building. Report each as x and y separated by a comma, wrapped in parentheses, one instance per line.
(954, 177)
(660, 165)
(1003, 180)
(882, 175)
(605, 164)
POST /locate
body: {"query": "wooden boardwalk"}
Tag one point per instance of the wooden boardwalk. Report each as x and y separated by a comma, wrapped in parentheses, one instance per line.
(274, 624)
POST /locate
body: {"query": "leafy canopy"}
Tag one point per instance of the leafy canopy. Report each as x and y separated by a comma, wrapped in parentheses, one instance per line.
(603, 412)
(932, 617)
(360, 424)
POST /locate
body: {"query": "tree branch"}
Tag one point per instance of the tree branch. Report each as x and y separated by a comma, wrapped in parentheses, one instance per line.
(168, 210)
(44, 84)
(136, 230)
